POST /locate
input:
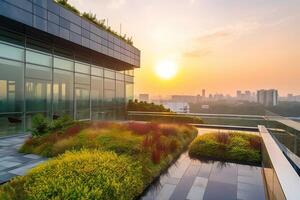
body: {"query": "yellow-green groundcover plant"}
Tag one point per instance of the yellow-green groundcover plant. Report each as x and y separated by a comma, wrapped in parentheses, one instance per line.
(85, 174)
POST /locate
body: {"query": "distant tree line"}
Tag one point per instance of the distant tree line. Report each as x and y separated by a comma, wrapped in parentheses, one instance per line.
(146, 107)
(222, 107)
(287, 109)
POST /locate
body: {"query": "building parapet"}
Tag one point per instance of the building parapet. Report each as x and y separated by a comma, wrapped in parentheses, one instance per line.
(54, 19)
(282, 181)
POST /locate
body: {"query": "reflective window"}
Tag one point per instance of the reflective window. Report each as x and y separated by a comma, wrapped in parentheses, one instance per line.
(11, 52)
(38, 72)
(11, 86)
(96, 94)
(38, 96)
(82, 79)
(82, 102)
(109, 96)
(38, 58)
(109, 84)
(109, 74)
(129, 72)
(129, 78)
(63, 64)
(82, 68)
(120, 76)
(63, 92)
(97, 71)
(120, 92)
(129, 91)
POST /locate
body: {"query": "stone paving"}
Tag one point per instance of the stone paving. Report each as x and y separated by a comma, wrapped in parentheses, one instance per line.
(189, 179)
(13, 163)
(194, 180)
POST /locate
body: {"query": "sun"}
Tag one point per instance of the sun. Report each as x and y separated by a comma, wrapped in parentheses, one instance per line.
(166, 69)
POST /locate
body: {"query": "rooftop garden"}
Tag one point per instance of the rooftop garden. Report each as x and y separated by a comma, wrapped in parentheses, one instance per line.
(230, 147)
(97, 160)
(93, 18)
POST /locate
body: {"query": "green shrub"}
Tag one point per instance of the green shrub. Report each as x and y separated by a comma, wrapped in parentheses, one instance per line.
(231, 147)
(82, 175)
(68, 6)
(40, 125)
(60, 123)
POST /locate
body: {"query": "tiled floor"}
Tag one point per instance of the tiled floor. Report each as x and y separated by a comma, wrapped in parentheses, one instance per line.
(13, 163)
(195, 180)
(189, 179)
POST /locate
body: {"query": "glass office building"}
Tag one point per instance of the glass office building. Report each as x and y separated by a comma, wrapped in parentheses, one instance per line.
(54, 62)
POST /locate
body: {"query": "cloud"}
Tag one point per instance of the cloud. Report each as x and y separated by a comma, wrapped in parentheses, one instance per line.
(206, 42)
(196, 53)
(213, 36)
(116, 3)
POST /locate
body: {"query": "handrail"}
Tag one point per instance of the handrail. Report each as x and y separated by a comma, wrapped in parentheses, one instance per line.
(199, 114)
(288, 179)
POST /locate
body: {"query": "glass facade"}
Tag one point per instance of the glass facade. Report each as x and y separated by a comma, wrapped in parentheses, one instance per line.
(52, 18)
(35, 81)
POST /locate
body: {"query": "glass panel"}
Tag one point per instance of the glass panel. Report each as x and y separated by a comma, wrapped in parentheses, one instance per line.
(129, 72)
(38, 58)
(82, 102)
(120, 76)
(38, 96)
(109, 74)
(10, 52)
(82, 79)
(11, 86)
(109, 84)
(129, 91)
(129, 78)
(82, 68)
(96, 96)
(63, 64)
(38, 72)
(97, 71)
(97, 92)
(120, 92)
(63, 92)
(109, 96)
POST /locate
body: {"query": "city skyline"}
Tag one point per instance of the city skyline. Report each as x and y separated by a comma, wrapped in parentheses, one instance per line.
(214, 44)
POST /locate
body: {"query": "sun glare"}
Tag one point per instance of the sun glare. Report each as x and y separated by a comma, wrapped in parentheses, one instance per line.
(166, 69)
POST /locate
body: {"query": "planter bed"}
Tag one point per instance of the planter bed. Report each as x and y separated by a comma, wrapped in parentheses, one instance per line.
(230, 147)
(96, 160)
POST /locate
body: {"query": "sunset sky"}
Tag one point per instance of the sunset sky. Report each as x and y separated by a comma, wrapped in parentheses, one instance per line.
(219, 45)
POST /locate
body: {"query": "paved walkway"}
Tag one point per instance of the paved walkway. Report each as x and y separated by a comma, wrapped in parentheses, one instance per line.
(13, 163)
(190, 179)
(194, 180)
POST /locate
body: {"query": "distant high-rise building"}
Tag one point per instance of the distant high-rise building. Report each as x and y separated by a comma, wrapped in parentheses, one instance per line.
(203, 93)
(247, 95)
(267, 97)
(144, 97)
